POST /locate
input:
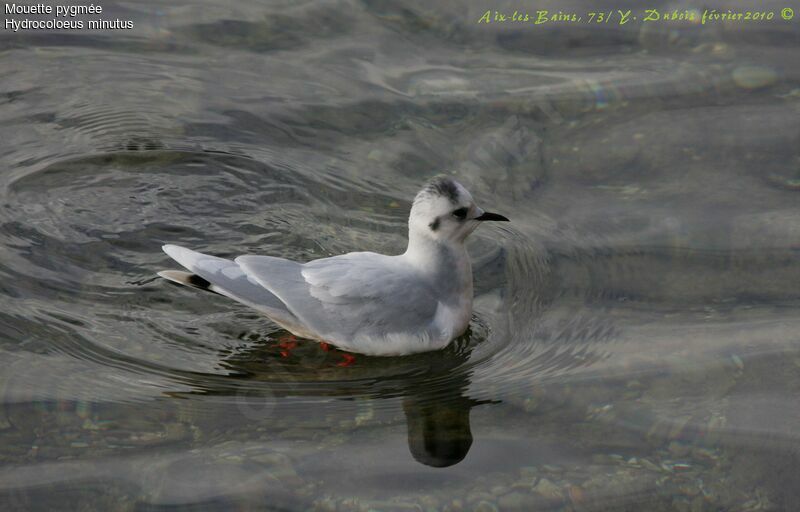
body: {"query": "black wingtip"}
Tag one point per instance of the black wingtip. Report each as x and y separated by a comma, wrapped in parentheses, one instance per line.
(198, 282)
(187, 279)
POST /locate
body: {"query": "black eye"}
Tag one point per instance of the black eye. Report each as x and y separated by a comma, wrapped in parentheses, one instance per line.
(461, 213)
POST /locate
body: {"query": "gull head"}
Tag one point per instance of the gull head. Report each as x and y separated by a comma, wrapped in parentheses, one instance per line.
(444, 211)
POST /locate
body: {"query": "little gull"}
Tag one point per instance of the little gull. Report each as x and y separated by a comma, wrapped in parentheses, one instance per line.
(363, 302)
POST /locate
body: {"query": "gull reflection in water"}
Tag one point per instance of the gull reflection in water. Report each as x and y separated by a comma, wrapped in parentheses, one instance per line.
(285, 371)
(439, 433)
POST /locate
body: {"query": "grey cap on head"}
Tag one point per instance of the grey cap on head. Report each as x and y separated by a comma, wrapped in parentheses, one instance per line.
(444, 186)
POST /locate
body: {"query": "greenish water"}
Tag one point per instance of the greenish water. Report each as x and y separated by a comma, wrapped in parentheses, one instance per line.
(635, 343)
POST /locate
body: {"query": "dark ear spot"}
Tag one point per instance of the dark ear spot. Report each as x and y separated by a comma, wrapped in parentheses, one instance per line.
(434, 225)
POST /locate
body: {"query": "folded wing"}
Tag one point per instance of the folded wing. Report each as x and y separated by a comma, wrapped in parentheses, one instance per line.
(228, 279)
(353, 298)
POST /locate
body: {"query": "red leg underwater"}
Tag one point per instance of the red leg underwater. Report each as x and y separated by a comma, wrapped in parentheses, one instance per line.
(347, 359)
(287, 344)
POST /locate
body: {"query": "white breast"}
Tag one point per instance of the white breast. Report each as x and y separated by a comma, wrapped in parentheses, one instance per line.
(452, 320)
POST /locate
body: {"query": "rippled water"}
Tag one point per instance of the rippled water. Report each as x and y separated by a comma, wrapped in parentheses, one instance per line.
(635, 343)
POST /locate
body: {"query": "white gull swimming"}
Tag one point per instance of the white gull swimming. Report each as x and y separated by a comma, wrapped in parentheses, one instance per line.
(363, 302)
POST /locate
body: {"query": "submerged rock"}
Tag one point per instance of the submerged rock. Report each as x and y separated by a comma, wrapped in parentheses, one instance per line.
(485, 506)
(514, 501)
(754, 77)
(550, 491)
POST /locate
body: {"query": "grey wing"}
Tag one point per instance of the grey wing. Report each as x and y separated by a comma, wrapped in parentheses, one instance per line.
(227, 278)
(348, 297)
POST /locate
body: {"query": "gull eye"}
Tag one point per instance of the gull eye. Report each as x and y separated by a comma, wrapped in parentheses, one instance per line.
(461, 213)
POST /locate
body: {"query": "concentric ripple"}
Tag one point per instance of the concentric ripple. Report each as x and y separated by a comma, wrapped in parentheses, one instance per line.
(89, 231)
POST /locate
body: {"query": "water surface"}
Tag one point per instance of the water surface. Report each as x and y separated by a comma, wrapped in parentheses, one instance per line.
(635, 343)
